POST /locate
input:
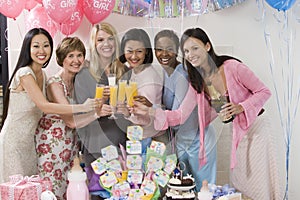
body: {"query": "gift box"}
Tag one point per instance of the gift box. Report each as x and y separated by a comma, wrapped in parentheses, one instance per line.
(24, 188)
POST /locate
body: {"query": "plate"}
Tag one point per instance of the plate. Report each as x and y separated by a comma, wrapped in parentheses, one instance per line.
(181, 188)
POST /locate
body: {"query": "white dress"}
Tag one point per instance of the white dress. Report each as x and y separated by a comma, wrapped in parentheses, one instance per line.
(17, 148)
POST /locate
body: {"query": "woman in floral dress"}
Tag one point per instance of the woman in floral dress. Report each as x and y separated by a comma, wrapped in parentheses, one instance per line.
(23, 104)
(56, 139)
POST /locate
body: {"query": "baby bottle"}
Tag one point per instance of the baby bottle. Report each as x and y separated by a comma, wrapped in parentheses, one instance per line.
(77, 188)
(204, 193)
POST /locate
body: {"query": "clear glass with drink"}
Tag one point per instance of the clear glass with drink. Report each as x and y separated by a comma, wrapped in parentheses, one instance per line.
(99, 91)
(129, 95)
(131, 91)
(134, 88)
(121, 92)
(111, 79)
(113, 100)
(217, 105)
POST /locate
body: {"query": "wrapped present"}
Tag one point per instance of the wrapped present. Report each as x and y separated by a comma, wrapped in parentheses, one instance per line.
(24, 188)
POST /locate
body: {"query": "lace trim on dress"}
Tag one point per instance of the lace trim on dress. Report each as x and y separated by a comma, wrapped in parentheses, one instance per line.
(58, 79)
(20, 73)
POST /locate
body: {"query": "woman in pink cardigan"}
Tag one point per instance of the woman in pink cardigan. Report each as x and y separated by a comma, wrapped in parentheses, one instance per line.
(253, 153)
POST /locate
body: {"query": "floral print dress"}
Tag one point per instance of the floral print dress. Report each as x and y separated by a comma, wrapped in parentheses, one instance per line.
(56, 146)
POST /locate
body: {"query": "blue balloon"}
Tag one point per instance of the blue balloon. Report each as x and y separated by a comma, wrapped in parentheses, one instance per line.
(225, 3)
(281, 5)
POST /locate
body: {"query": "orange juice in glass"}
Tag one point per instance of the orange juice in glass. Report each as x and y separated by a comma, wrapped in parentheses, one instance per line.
(113, 95)
(129, 95)
(99, 91)
(113, 90)
(121, 94)
(134, 88)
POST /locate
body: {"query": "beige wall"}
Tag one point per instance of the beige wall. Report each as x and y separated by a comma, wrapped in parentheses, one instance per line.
(237, 30)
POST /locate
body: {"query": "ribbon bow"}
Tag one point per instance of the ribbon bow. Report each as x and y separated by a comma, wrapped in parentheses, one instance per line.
(20, 180)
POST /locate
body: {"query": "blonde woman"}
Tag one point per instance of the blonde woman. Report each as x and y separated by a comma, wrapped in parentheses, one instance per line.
(104, 53)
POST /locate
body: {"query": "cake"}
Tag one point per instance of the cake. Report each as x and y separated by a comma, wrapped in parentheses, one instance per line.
(180, 195)
(187, 182)
(175, 182)
(181, 189)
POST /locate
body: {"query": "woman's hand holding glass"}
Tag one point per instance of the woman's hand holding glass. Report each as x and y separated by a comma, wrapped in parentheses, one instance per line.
(88, 106)
(225, 110)
(143, 100)
(140, 109)
(102, 93)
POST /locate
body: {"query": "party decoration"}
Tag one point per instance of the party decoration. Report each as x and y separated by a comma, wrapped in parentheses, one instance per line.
(12, 8)
(38, 18)
(29, 4)
(171, 8)
(72, 24)
(281, 5)
(97, 10)
(283, 66)
(60, 10)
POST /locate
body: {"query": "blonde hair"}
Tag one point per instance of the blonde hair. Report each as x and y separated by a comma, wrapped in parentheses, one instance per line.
(116, 66)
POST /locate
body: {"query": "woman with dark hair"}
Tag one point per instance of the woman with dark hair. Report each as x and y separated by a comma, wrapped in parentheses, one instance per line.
(24, 103)
(136, 52)
(187, 143)
(253, 153)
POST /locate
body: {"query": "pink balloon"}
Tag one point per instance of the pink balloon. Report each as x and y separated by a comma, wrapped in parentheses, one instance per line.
(30, 4)
(38, 18)
(12, 8)
(60, 10)
(97, 10)
(72, 24)
(39, 1)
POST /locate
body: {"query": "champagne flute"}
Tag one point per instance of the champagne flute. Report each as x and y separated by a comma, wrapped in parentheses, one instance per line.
(99, 91)
(134, 88)
(121, 92)
(113, 100)
(111, 79)
(129, 95)
(132, 91)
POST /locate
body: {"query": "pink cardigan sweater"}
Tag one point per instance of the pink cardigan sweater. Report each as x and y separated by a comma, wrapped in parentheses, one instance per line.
(244, 88)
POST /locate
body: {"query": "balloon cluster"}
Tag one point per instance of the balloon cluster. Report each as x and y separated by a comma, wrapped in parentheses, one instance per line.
(53, 15)
(67, 15)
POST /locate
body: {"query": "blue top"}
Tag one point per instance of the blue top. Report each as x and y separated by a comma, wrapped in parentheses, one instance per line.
(175, 88)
